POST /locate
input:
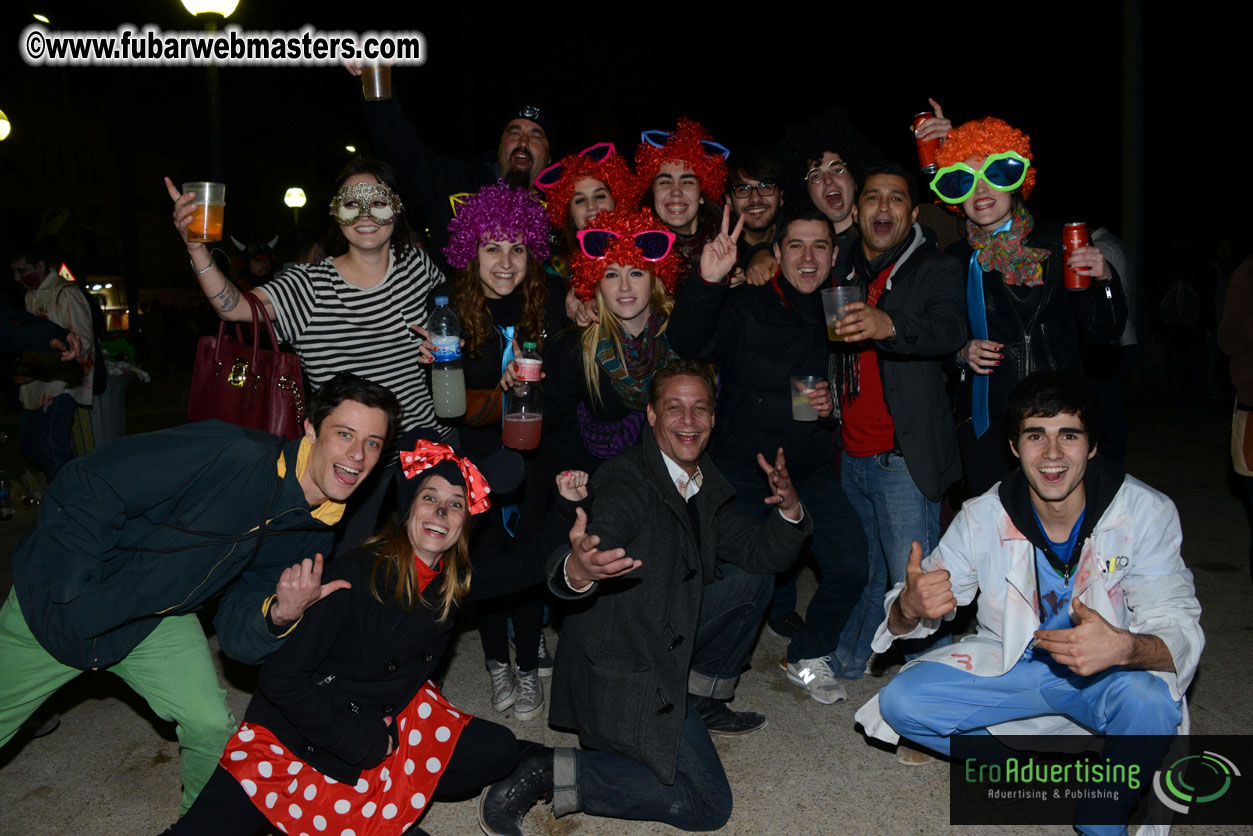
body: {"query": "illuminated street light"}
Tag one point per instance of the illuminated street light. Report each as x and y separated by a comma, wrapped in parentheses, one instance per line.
(41, 19)
(216, 7)
(295, 198)
(5, 127)
(351, 149)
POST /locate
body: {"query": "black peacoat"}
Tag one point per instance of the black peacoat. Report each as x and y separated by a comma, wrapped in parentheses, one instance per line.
(626, 645)
(353, 660)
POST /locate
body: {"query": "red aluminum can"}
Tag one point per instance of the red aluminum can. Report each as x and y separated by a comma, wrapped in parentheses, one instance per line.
(1074, 236)
(927, 148)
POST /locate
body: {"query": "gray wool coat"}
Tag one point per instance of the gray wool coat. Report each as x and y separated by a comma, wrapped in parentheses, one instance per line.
(626, 645)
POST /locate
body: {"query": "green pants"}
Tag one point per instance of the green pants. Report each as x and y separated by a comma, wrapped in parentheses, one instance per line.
(171, 669)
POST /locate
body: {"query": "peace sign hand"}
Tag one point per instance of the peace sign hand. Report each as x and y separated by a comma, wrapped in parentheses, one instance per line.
(720, 254)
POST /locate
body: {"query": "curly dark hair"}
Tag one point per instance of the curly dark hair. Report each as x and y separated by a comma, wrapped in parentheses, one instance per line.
(829, 131)
(470, 304)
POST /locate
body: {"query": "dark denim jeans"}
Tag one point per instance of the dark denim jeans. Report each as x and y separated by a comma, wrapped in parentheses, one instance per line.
(893, 514)
(615, 786)
(44, 434)
(730, 612)
(838, 545)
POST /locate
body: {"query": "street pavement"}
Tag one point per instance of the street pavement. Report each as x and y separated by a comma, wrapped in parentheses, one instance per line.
(112, 766)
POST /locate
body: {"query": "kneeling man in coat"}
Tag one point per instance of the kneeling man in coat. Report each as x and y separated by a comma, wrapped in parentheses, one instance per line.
(641, 612)
(1088, 620)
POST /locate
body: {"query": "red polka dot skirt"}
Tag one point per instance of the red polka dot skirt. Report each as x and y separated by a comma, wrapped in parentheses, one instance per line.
(386, 800)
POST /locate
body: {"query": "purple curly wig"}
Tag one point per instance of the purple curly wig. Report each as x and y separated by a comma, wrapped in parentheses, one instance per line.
(496, 213)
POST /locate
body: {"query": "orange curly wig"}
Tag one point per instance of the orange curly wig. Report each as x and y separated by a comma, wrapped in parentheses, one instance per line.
(589, 271)
(982, 137)
(613, 172)
(683, 146)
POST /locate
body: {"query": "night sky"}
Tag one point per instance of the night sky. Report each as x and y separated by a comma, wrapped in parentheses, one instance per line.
(1057, 75)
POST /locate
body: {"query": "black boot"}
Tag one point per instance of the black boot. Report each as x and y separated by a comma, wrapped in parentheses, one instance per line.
(719, 719)
(503, 804)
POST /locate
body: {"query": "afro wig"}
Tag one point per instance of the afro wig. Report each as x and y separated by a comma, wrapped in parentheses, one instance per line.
(496, 213)
(829, 131)
(982, 138)
(684, 145)
(589, 271)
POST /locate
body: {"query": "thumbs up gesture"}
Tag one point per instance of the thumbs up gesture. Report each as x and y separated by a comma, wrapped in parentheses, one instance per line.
(926, 594)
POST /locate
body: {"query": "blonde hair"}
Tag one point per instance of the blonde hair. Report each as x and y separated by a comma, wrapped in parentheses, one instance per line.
(394, 571)
(611, 328)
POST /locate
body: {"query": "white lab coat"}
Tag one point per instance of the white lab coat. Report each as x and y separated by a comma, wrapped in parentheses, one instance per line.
(1130, 570)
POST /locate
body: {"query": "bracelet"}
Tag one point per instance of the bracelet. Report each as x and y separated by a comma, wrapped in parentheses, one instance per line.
(201, 272)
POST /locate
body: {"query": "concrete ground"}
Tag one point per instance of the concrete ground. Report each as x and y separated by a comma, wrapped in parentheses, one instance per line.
(112, 767)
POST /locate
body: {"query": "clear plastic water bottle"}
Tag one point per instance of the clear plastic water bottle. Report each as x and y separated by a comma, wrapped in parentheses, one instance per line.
(6, 499)
(448, 381)
(524, 402)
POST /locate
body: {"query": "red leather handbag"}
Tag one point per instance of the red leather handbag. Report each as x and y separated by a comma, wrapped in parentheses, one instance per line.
(247, 385)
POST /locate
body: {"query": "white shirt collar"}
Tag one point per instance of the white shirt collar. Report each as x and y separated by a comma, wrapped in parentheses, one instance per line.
(677, 473)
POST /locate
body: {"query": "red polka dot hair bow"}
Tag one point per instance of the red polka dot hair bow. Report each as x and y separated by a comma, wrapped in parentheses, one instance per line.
(427, 454)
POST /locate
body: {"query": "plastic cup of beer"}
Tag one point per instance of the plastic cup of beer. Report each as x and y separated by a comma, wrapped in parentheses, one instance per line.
(210, 204)
(376, 82)
(833, 301)
(802, 409)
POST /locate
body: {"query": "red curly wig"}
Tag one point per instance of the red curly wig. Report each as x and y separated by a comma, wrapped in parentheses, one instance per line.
(983, 137)
(684, 146)
(613, 172)
(589, 271)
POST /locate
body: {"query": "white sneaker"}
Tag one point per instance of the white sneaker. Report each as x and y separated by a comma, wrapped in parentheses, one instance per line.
(504, 684)
(815, 676)
(530, 695)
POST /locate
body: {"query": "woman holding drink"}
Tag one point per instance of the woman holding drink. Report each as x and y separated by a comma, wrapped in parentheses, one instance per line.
(358, 310)
(1021, 316)
(346, 732)
(598, 376)
(497, 243)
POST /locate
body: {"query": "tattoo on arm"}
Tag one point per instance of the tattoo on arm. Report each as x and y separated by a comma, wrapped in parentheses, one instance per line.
(226, 299)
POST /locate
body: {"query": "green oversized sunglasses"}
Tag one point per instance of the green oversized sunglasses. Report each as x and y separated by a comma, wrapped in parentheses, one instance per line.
(1003, 172)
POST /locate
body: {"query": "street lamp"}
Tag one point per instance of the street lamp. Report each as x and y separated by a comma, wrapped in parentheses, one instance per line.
(223, 8)
(213, 11)
(295, 198)
(5, 127)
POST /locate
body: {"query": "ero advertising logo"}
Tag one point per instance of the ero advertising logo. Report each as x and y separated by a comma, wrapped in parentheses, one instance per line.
(1210, 775)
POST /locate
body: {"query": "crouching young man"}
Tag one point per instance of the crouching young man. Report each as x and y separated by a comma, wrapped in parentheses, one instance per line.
(1088, 618)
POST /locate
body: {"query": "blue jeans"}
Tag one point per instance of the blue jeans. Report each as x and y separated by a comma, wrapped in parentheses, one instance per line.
(838, 545)
(931, 702)
(44, 434)
(613, 785)
(893, 514)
